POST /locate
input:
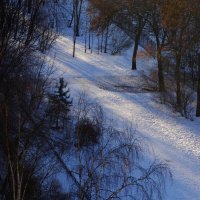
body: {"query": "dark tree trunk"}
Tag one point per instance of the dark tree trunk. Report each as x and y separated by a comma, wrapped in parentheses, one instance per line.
(178, 83)
(74, 42)
(32, 24)
(198, 97)
(106, 41)
(98, 43)
(89, 40)
(92, 43)
(77, 27)
(85, 42)
(74, 46)
(198, 90)
(74, 34)
(161, 81)
(101, 42)
(134, 57)
(69, 25)
(191, 64)
(78, 8)
(29, 6)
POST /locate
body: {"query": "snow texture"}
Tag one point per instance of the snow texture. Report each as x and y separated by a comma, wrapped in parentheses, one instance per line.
(122, 93)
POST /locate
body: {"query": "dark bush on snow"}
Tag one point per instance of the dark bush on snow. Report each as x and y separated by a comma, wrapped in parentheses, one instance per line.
(87, 132)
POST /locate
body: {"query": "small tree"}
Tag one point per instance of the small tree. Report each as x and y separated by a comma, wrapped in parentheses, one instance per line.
(60, 103)
(63, 94)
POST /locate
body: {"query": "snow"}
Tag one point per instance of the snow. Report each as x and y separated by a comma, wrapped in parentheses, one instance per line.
(109, 81)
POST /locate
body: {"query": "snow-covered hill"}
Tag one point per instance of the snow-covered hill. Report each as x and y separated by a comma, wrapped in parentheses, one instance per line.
(109, 81)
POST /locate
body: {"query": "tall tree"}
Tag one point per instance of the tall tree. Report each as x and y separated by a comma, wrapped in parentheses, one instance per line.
(77, 9)
(23, 86)
(137, 13)
(129, 16)
(154, 22)
(177, 20)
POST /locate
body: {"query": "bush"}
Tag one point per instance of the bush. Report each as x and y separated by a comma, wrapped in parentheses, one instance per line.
(87, 132)
(119, 41)
(187, 98)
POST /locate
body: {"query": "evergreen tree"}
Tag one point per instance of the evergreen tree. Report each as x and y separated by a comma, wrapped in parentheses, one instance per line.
(60, 104)
(63, 95)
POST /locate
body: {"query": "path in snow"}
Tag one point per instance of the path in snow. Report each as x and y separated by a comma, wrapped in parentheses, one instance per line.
(104, 78)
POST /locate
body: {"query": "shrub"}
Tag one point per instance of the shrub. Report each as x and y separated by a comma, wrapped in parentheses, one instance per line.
(87, 133)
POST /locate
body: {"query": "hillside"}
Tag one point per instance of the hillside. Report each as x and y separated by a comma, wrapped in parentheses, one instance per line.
(121, 92)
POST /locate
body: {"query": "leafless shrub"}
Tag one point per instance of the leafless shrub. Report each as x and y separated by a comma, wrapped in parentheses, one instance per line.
(151, 80)
(88, 122)
(187, 98)
(87, 133)
(118, 41)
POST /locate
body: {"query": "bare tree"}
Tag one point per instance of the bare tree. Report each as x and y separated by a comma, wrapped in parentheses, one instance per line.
(24, 87)
(105, 163)
(77, 9)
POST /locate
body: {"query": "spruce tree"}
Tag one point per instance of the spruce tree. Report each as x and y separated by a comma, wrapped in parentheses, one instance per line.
(63, 95)
(60, 104)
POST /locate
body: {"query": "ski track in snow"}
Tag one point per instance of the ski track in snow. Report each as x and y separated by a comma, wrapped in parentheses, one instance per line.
(174, 139)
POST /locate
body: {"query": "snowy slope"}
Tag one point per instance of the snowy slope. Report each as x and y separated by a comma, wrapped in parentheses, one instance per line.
(109, 81)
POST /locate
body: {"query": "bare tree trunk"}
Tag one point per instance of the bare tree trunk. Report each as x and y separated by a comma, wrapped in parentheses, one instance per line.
(101, 42)
(75, 22)
(85, 41)
(98, 44)
(77, 14)
(29, 5)
(134, 57)
(139, 29)
(32, 23)
(191, 64)
(198, 90)
(17, 21)
(89, 40)
(161, 82)
(3, 187)
(77, 27)
(92, 43)
(178, 82)
(106, 40)
(69, 25)
(74, 44)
